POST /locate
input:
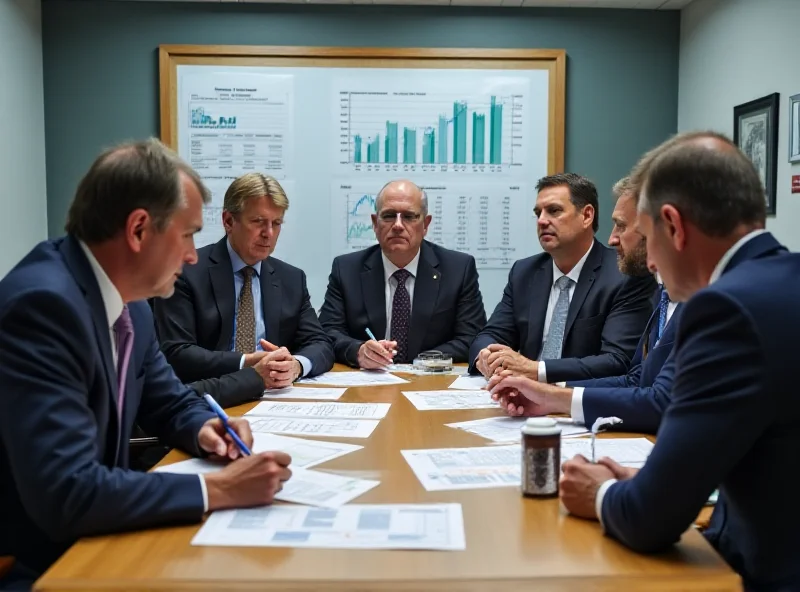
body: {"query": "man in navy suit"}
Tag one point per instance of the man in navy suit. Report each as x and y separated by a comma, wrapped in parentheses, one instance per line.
(80, 363)
(238, 314)
(639, 397)
(732, 423)
(436, 306)
(567, 313)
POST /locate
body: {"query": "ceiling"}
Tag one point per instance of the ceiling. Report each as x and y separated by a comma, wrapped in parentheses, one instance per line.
(638, 4)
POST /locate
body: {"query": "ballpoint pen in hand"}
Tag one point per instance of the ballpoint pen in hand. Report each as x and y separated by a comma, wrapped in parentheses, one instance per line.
(372, 336)
(225, 422)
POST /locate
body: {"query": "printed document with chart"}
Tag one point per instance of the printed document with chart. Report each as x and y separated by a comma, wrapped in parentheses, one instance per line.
(355, 526)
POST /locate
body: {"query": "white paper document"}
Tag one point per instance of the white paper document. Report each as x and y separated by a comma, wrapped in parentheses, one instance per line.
(354, 526)
(304, 453)
(295, 392)
(507, 429)
(443, 469)
(333, 428)
(450, 399)
(359, 378)
(316, 488)
(469, 383)
(629, 452)
(321, 410)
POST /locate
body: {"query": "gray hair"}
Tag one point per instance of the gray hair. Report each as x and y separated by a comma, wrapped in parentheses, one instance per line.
(715, 187)
(136, 175)
(423, 198)
(622, 187)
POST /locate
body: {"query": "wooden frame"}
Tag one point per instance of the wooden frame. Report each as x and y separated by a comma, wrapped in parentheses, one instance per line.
(552, 60)
(760, 142)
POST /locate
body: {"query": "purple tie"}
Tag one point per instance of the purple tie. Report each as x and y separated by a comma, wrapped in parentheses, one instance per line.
(401, 315)
(123, 329)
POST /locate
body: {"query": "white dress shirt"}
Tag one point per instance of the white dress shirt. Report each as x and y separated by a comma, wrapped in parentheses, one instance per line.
(112, 300)
(391, 286)
(715, 275)
(574, 274)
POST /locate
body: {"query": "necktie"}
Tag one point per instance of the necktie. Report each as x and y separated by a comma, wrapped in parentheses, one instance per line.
(555, 336)
(401, 315)
(123, 330)
(663, 305)
(246, 316)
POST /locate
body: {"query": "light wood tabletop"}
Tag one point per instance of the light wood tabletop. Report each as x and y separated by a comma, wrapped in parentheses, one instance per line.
(513, 543)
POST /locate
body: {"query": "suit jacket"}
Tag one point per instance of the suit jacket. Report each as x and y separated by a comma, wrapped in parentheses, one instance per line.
(732, 424)
(640, 397)
(195, 325)
(607, 315)
(446, 314)
(63, 451)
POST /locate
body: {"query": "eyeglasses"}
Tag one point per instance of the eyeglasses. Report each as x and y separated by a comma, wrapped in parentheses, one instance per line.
(390, 217)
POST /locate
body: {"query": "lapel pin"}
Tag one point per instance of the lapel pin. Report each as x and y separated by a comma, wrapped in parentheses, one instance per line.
(436, 277)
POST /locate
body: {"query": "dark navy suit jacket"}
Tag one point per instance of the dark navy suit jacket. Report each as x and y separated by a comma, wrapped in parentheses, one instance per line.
(733, 424)
(640, 397)
(62, 474)
(195, 325)
(607, 315)
(446, 314)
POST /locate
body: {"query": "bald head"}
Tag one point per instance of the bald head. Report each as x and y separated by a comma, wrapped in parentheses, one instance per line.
(405, 189)
(707, 179)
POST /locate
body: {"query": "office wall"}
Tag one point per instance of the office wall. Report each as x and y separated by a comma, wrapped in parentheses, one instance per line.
(733, 51)
(101, 71)
(23, 199)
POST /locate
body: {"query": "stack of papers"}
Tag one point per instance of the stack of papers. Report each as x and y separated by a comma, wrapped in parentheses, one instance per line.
(357, 526)
(317, 410)
(295, 392)
(450, 399)
(315, 488)
(329, 428)
(507, 429)
(629, 452)
(469, 383)
(343, 420)
(443, 469)
(359, 378)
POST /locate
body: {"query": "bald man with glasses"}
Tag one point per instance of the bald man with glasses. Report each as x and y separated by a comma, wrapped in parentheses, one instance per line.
(411, 294)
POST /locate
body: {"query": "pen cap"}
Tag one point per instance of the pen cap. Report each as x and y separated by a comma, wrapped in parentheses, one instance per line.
(541, 426)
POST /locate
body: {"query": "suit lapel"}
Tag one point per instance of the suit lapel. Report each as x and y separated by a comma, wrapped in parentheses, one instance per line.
(585, 281)
(220, 273)
(539, 291)
(271, 302)
(759, 246)
(426, 293)
(373, 290)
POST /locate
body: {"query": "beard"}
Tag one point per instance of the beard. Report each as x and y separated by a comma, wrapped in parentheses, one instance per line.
(634, 262)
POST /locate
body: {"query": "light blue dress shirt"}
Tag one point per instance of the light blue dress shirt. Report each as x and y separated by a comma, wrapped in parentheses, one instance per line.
(258, 309)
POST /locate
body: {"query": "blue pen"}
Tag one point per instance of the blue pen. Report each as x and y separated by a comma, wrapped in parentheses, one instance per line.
(224, 417)
(371, 336)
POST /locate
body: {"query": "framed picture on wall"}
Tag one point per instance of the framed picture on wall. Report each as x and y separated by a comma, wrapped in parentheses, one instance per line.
(755, 131)
(794, 128)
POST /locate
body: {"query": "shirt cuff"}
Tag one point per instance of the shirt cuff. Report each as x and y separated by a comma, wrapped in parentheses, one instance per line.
(598, 501)
(241, 362)
(305, 363)
(205, 493)
(576, 409)
(542, 372)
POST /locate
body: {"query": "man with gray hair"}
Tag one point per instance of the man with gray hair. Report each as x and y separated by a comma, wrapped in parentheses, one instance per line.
(81, 364)
(732, 423)
(412, 295)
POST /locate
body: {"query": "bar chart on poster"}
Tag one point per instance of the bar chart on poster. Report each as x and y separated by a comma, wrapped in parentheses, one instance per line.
(474, 139)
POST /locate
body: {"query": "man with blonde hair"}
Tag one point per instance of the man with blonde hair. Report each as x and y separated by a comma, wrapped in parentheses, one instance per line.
(239, 314)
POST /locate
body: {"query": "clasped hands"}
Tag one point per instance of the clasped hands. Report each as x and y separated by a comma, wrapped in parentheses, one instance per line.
(275, 364)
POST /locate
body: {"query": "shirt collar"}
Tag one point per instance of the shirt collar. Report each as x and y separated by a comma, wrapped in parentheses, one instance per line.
(112, 300)
(726, 258)
(237, 263)
(389, 268)
(575, 273)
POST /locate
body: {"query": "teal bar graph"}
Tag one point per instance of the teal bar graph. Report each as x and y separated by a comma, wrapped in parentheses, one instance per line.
(460, 132)
(495, 131)
(478, 128)
(429, 146)
(357, 148)
(409, 145)
(442, 139)
(390, 149)
(373, 150)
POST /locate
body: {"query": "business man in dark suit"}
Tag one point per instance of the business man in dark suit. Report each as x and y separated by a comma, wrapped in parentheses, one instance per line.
(80, 363)
(239, 314)
(639, 397)
(567, 313)
(732, 423)
(436, 306)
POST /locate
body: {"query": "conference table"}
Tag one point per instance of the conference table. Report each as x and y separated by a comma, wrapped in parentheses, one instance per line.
(512, 542)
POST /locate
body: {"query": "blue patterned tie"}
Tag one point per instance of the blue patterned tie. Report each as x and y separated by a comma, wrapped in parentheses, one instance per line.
(555, 336)
(401, 315)
(663, 305)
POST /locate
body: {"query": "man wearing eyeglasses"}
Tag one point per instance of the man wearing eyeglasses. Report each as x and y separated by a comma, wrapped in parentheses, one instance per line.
(411, 294)
(239, 315)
